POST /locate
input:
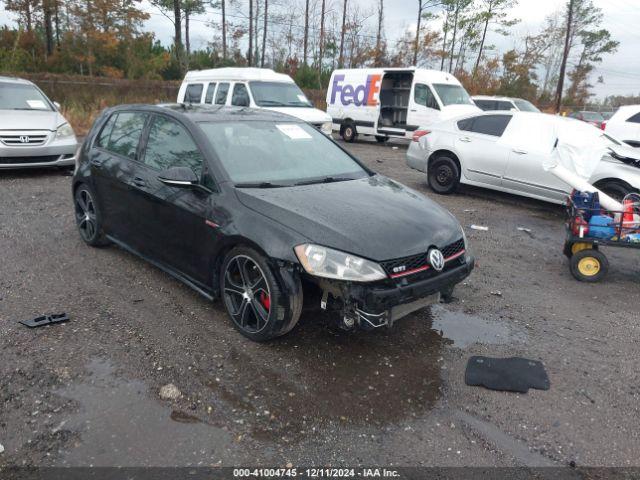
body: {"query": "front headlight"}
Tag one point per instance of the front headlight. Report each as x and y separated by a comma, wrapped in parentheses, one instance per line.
(326, 128)
(328, 263)
(64, 131)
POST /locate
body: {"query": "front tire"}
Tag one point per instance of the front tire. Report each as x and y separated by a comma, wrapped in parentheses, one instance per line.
(443, 175)
(589, 265)
(259, 309)
(88, 217)
(616, 190)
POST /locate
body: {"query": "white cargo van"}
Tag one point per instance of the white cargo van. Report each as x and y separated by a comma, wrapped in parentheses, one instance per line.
(393, 102)
(251, 87)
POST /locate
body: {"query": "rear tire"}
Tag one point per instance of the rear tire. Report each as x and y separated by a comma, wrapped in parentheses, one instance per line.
(88, 216)
(589, 265)
(443, 175)
(252, 296)
(349, 132)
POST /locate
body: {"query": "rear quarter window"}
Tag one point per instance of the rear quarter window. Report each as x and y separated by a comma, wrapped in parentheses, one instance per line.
(635, 118)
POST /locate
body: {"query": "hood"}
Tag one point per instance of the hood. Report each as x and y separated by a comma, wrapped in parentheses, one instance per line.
(374, 217)
(30, 120)
(308, 114)
(452, 111)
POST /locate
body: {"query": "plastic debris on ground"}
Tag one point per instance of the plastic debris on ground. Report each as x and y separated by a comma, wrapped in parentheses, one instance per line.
(1, 448)
(506, 374)
(479, 227)
(45, 320)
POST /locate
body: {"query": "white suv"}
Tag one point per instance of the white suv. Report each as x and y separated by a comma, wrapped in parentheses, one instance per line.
(625, 125)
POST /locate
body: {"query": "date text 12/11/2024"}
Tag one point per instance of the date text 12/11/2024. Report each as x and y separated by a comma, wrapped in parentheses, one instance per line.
(292, 472)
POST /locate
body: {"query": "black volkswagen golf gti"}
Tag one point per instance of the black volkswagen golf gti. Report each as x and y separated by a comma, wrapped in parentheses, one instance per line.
(258, 208)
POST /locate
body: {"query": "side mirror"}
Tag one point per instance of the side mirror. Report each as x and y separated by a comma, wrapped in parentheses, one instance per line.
(180, 177)
(57, 105)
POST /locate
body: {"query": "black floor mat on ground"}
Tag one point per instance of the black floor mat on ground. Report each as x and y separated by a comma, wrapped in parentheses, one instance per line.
(510, 374)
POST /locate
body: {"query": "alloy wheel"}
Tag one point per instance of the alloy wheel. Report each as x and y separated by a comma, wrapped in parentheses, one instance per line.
(246, 294)
(86, 215)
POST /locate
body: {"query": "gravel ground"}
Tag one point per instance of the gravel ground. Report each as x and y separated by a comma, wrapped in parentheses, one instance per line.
(87, 392)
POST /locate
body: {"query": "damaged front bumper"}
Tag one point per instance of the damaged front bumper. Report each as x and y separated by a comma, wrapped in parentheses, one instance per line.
(371, 306)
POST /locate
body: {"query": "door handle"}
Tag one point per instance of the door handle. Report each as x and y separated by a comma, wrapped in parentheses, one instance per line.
(413, 110)
(139, 182)
(519, 152)
(465, 139)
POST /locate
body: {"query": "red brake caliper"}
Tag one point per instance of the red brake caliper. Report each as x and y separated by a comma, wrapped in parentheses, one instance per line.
(265, 300)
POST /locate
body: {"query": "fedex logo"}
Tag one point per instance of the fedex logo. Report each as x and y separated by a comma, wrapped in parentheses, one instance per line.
(360, 95)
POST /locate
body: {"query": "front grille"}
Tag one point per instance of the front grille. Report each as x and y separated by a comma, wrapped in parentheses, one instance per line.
(40, 159)
(419, 261)
(23, 140)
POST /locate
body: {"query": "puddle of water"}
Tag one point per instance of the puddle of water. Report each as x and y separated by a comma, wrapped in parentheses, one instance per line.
(316, 377)
(464, 329)
(121, 424)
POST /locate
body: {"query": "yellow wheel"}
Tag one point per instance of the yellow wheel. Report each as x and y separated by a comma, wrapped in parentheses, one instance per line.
(589, 265)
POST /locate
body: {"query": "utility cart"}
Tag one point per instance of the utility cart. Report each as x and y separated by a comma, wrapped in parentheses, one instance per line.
(589, 227)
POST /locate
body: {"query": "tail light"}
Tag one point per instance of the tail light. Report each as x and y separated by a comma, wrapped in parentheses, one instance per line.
(418, 134)
(603, 125)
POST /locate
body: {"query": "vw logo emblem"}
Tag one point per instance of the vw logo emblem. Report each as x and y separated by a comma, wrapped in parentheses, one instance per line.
(24, 139)
(436, 259)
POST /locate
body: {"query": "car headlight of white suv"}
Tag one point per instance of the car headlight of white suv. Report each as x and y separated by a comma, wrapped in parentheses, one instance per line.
(64, 131)
(329, 263)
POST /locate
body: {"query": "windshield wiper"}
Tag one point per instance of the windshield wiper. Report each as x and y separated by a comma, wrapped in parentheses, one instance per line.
(324, 180)
(298, 104)
(259, 185)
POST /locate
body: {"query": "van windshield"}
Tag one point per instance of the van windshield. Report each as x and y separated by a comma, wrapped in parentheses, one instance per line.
(17, 96)
(452, 94)
(258, 154)
(278, 94)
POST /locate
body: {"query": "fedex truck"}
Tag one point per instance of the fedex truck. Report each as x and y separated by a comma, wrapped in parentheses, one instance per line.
(393, 102)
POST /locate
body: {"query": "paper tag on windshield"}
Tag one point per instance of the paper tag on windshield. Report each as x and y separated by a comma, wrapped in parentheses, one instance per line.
(302, 98)
(294, 132)
(36, 104)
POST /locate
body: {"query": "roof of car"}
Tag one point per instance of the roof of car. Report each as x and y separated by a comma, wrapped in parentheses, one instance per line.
(4, 79)
(213, 113)
(242, 74)
(492, 97)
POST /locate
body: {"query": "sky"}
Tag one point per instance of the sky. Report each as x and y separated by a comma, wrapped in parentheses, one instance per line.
(620, 71)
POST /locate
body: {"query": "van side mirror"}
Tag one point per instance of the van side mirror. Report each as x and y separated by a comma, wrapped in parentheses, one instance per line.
(57, 105)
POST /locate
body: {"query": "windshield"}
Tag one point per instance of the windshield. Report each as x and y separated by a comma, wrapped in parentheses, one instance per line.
(452, 94)
(592, 116)
(269, 154)
(16, 96)
(525, 106)
(278, 94)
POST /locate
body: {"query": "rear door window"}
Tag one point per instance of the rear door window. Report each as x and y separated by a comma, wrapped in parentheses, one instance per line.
(170, 145)
(125, 134)
(221, 94)
(502, 105)
(486, 104)
(193, 94)
(208, 97)
(494, 125)
(103, 138)
(240, 96)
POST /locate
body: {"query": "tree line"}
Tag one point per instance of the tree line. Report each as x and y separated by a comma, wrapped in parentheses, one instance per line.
(308, 39)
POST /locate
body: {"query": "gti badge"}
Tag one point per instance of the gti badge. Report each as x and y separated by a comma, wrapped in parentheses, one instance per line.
(436, 259)
(399, 269)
